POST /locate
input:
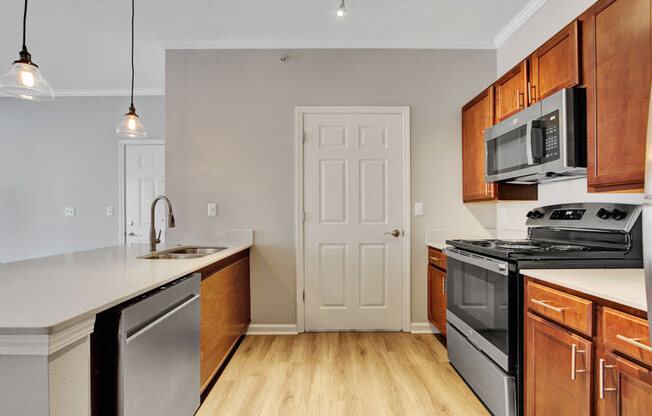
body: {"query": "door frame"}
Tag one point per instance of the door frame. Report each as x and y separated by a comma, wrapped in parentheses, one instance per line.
(122, 177)
(300, 112)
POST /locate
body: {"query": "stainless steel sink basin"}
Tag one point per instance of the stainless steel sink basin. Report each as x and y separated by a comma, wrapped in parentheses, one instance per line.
(170, 256)
(180, 253)
(198, 250)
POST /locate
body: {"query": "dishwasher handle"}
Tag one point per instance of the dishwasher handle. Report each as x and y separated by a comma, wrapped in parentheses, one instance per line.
(160, 319)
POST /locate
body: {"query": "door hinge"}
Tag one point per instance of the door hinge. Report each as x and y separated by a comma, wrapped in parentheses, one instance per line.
(303, 216)
(303, 137)
(304, 295)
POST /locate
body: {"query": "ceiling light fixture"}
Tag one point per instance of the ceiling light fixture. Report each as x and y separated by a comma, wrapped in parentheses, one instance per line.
(130, 126)
(24, 80)
(341, 10)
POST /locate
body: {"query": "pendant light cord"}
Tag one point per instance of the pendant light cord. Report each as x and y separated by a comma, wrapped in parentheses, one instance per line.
(24, 26)
(132, 51)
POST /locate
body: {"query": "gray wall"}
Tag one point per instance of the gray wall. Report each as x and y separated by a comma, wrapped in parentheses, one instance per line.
(230, 140)
(57, 154)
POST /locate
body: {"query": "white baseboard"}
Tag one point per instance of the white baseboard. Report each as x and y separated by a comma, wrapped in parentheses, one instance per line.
(423, 328)
(272, 329)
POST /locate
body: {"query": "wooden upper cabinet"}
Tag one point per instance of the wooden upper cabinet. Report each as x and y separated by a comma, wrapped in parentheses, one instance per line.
(477, 116)
(511, 92)
(617, 64)
(555, 65)
(558, 370)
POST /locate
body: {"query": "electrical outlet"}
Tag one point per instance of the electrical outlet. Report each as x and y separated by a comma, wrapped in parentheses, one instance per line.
(418, 209)
(109, 211)
(212, 209)
(69, 211)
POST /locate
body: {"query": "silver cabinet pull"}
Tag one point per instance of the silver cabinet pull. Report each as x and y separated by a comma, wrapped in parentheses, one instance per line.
(545, 305)
(603, 389)
(529, 96)
(574, 370)
(635, 342)
(394, 233)
(435, 258)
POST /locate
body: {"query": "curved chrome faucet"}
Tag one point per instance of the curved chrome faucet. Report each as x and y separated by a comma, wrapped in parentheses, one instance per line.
(153, 238)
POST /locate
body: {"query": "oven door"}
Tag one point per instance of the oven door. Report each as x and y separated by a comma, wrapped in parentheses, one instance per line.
(483, 304)
(514, 147)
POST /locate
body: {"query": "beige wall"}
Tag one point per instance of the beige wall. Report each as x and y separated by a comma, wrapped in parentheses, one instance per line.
(230, 140)
(57, 154)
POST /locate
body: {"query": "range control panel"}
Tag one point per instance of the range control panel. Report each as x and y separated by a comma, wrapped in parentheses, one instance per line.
(590, 215)
(567, 214)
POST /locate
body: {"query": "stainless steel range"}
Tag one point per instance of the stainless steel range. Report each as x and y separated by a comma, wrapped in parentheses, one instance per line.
(485, 290)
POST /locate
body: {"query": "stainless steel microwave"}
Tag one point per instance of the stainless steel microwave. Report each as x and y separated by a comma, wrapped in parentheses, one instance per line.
(544, 142)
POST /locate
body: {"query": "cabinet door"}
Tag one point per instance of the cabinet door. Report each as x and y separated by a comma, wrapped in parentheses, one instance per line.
(623, 388)
(477, 116)
(557, 370)
(225, 313)
(511, 92)
(555, 65)
(437, 298)
(617, 68)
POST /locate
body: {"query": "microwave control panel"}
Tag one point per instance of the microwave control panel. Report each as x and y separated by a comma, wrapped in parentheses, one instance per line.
(551, 149)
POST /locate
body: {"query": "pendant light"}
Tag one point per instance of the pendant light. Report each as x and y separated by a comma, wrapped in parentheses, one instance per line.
(130, 126)
(24, 80)
(341, 10)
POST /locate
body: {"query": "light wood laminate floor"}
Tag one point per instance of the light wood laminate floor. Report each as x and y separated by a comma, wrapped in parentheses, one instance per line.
(340, 374)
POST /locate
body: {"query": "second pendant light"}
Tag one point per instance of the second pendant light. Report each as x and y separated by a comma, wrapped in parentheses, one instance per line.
(130, 126)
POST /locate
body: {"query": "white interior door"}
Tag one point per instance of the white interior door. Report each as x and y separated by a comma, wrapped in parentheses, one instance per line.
(144, 180)
(353, 199)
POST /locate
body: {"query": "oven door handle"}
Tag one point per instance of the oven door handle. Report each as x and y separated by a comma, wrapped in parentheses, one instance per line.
(487, 263)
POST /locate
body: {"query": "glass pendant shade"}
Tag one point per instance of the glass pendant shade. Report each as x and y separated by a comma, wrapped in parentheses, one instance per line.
(131, 127)
(25, 81)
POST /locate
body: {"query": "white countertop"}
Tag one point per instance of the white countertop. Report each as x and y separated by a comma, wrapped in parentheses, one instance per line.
(624, 286)
(47, 294)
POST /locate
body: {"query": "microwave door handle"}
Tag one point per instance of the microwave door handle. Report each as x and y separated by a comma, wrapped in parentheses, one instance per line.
(528, 144)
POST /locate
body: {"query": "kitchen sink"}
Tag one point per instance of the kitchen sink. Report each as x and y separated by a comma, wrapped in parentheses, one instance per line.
(189, 252)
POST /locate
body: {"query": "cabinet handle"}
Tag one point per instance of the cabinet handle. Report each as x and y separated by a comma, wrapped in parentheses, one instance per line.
(603, 366)
(533, 89)
(545, 305)
(518, 98)
(574, 370)
(435, 258)
(635, 342)
(444, 286)
(529, 96)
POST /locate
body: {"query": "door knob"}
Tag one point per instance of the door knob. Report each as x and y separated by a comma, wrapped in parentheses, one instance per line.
(394, 233)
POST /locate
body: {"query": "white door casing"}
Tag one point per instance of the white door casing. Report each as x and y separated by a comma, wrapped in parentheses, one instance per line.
(354, 181)
(144, 180)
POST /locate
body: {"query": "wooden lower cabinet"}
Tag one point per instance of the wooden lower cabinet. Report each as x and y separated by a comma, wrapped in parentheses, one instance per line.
(558, 370)
(225, 313)
(437, 298)
(618, 377)
(622, 387)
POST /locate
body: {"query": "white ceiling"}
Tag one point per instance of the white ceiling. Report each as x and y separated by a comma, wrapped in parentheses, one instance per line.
(82, 46)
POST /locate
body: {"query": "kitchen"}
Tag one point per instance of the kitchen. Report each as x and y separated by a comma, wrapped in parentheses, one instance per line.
(228, 109)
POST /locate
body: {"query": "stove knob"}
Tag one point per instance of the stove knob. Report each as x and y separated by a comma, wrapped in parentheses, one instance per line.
(529, 214)
(604, 214)
(535, 214)
(618, 215)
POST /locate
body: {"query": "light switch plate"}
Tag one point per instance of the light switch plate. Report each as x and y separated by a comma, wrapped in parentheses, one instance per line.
(69, 211)
(418, 209)
(109, 211)
(212, 209)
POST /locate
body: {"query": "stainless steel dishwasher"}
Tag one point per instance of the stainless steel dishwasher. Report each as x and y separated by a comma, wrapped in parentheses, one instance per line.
(155, 342)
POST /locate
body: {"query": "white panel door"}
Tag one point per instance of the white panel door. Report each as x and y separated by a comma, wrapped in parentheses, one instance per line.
(353, 197)
(144, 180)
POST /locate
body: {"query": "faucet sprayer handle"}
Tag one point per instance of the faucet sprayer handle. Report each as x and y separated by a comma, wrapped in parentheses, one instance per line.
(158, 238)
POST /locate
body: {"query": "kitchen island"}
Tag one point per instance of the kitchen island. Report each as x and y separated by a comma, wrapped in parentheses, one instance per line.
(47, 314)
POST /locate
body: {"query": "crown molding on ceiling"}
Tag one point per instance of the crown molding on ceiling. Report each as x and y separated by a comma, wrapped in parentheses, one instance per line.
(141, 92)
(305, 43)
(518, 21)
